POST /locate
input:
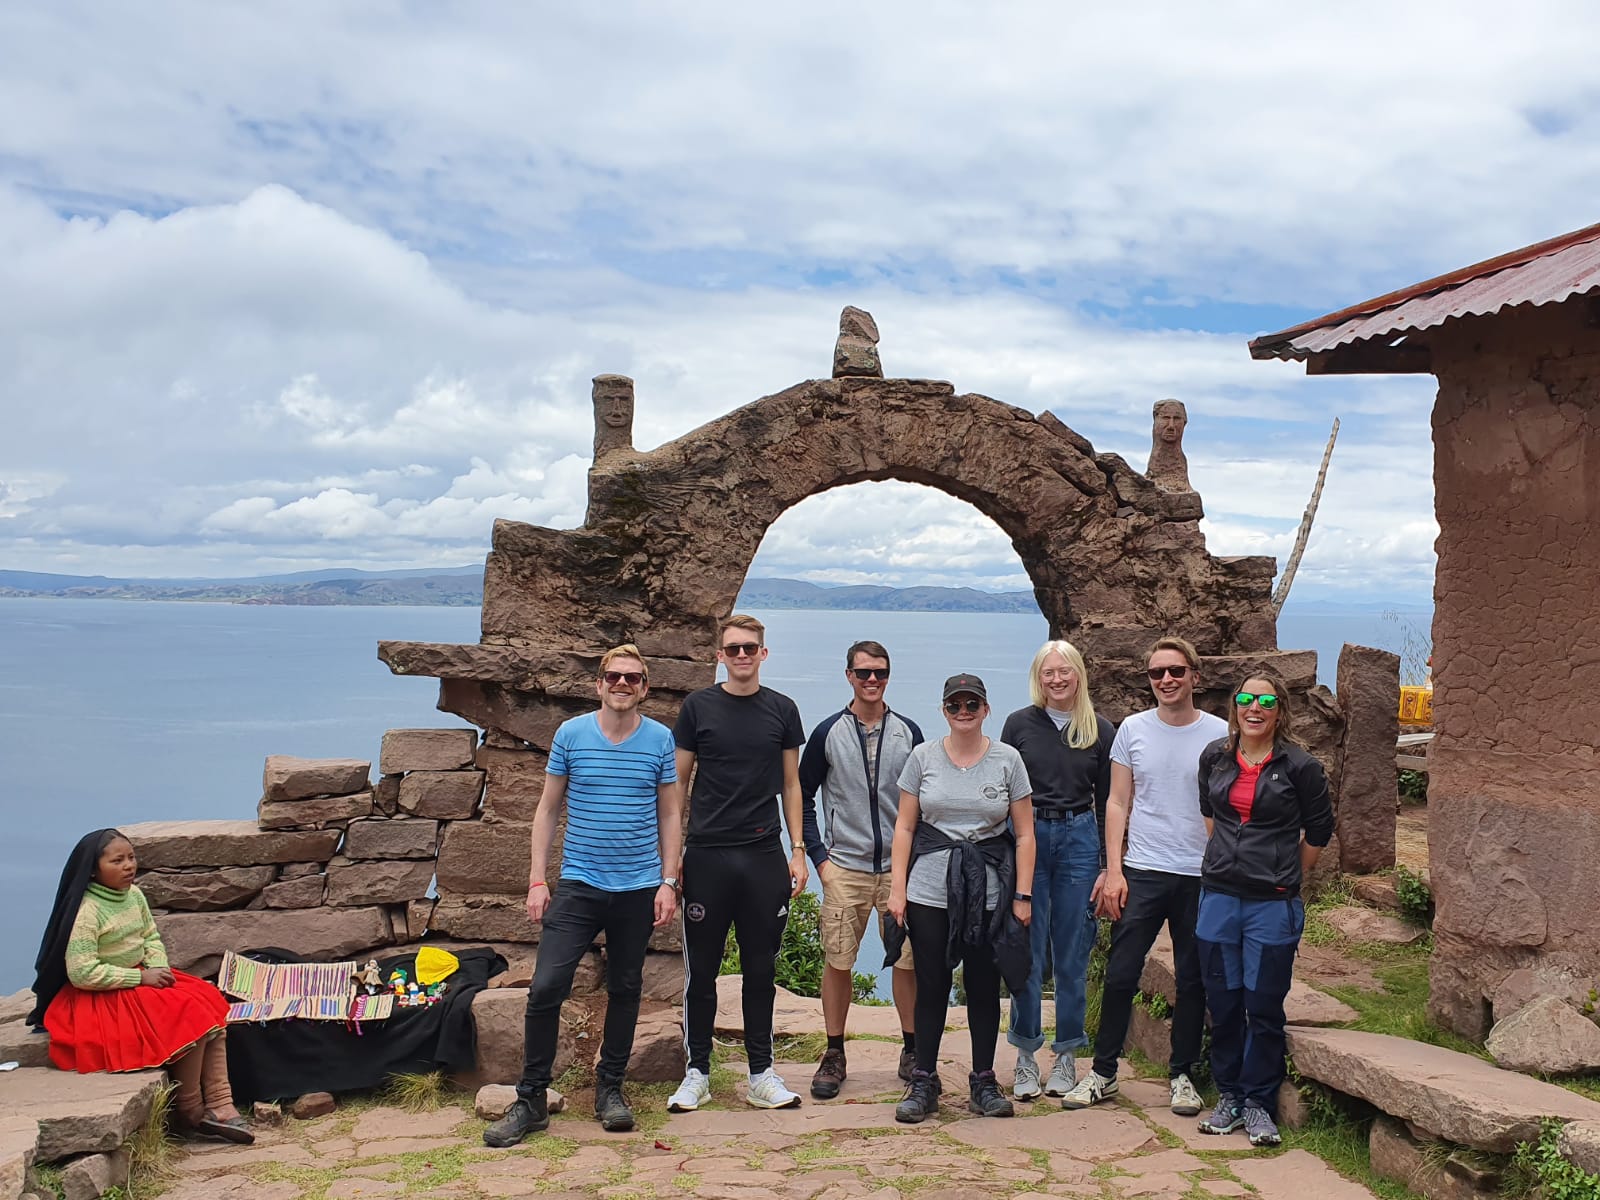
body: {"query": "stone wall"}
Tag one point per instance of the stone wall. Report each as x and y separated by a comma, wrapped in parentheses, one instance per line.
(1514, 772)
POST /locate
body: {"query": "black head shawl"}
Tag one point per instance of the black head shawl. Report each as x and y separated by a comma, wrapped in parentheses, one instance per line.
(51, 965)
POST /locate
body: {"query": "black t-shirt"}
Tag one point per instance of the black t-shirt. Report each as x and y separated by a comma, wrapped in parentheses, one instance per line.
(738, 744)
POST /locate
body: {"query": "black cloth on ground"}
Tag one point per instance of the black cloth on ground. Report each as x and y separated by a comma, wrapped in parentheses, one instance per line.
(51, 966)
(276, 1060)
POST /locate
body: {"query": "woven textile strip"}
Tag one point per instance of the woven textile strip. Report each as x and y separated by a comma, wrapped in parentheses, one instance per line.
(275, 991)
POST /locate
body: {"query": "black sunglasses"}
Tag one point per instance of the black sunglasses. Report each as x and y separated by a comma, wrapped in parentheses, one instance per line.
(631, 678)
(1155, 673)
(741, 650)
(866, 673)
(954, 706)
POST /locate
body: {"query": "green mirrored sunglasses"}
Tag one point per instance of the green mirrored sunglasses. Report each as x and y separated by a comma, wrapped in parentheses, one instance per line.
(1266, 699)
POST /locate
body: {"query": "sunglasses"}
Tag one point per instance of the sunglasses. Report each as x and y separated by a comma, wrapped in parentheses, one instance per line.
(1155, 673)
(866, 673)
(954, 706)
(631, 678)
(741, 650)
(1266, 700)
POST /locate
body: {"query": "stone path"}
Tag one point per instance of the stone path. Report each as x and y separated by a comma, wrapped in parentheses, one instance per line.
(845, 1148)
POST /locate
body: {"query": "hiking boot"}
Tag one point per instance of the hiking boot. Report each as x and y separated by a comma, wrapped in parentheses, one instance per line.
(830, 1075)
(521, 1119)
(1090, 1090)
(694, 1091)
(1186, 1101)
(1259, 1126)
(1025, 1085)
(767, 1090)
(985, 1098)
(1063, 1076)
(610, 1109)
(908, 1064)
(922, 1098)
(1225, 1117)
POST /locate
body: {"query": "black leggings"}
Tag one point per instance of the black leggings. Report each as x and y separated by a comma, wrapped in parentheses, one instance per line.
(928, 929)
(745, 888)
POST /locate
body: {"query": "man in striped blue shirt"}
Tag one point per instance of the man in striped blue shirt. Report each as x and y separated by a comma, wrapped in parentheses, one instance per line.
(614, 771)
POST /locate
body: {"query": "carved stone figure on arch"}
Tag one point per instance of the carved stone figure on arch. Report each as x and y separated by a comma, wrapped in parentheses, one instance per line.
(1168, 466)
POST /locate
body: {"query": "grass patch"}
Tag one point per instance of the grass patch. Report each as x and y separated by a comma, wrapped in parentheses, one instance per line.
(421, 1091)
(799, 1047)
(49, 1179)
(151, 1149)
(1584, 1085)
(313, 1182)
(1341, 1142)
(1400, 1008)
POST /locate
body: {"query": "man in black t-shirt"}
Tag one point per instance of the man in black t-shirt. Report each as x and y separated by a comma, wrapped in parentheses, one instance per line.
(742, 743)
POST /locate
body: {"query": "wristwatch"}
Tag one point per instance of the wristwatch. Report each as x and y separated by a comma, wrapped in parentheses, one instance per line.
(670, 881)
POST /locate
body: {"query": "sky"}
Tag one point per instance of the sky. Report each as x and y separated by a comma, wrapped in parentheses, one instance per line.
(302, 285)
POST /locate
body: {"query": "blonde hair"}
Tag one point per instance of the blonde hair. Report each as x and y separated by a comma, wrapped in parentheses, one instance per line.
(626, 650)
(742, 621)
(1082, 729)
(1182, 645)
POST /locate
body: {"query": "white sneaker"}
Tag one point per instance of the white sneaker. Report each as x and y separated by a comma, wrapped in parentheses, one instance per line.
(1063, 1076)
(1186, 1100)
(694, 1091)
(1091, 1089)
(767, 1091)
(1026, 1084)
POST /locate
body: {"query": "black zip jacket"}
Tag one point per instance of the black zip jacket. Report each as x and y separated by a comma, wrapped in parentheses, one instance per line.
(1260, 859)
(966, 890)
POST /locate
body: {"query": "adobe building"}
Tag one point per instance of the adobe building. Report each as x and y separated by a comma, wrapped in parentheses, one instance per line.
(1514, 787)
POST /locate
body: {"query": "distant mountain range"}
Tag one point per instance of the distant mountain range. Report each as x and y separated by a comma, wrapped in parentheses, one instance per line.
(463, 587)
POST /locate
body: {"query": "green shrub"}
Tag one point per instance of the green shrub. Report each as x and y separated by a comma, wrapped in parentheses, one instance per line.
(1413, 787)
(1416, 898)
(799, 955)
(1538, 1169)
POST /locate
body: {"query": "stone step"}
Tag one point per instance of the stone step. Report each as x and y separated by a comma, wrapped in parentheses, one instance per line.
(20, 1044)
(1304, 1005)
(1451, 1095)
(77, 1114)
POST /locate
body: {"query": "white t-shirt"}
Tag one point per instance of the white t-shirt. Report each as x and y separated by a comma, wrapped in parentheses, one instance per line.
(1165, 829)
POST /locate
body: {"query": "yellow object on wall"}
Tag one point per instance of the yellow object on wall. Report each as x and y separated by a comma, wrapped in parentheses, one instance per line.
(1416, 706)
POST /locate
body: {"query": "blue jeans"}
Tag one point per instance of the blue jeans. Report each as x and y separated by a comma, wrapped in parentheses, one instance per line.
(1066, 863)
(1247, 950)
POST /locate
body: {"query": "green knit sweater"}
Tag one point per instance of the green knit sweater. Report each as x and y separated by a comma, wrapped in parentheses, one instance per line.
(112, 938)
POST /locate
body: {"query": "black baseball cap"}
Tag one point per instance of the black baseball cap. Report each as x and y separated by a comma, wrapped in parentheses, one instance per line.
(964, 682)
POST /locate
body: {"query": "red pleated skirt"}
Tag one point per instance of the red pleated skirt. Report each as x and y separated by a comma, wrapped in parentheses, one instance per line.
(130, 1029)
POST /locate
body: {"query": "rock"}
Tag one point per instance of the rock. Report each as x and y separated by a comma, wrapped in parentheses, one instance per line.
(1453, 1096)
(19, 1134)
(301, 870)
(195, 941)
(1376, 891)
(373, 838)
(386, 795)
(1293, 1111)
(1424, 1169)
(419, 913)
(513, 782)
(486, 859)
(1548, 1036)
(1363, 925)
(426, 750)
(483, 918)
(305, 891)
(319, 813)
(663, 977)
(1150, 1035)
(855, 353)
(287, 778)
(446, 795)
(17, 1005)
(494, 1100)
(20, 1044)
(78, 1114)
(87, 1177)
(1524, 986)
(225, 844)
(1369, 695)
(1296, 1175)
(658, 1053)
(499, 1015)
(1579, 1144)
(267, 1113)
(311, 1105)
(791, 1014)
(205, 891)
(354, 884)
(1304, 1005)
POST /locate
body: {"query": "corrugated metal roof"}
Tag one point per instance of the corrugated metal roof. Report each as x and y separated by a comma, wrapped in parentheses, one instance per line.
(1544, 273)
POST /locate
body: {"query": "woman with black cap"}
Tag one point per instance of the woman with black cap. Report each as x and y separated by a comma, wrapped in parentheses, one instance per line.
(963, 837)
(110, 1002)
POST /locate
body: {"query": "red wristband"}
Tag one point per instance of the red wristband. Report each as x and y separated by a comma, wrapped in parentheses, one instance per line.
(541, 883)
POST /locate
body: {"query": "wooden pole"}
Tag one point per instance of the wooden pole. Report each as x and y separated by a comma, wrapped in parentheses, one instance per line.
(1282, 592)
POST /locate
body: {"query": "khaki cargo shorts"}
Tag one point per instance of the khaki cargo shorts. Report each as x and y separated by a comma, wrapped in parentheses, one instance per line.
(848, 899)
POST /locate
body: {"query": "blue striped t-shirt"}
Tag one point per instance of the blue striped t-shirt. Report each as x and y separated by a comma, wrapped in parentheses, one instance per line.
(611, 838)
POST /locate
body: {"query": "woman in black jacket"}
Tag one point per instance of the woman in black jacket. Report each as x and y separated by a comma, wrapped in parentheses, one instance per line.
(1259, 792)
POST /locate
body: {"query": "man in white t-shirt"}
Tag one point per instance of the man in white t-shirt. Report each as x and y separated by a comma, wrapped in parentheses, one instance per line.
(1154, 799)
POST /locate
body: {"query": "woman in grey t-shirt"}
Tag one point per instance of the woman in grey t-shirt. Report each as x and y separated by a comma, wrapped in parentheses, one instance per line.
(964, 796)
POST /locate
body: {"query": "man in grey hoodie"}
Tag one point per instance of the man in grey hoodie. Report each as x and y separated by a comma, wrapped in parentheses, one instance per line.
(849, 772)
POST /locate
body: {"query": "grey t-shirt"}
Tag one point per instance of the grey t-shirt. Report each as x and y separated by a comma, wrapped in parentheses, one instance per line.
(971, 803)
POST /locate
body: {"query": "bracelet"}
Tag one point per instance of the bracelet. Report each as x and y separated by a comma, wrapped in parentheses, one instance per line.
(541, 883)
(1022, 896)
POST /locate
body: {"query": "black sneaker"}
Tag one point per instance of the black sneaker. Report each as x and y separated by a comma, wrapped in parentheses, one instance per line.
(830, 1075)
(908, 1064)
(610, 1109)
(987, 1100)
(922, 1098)
(521, 1119)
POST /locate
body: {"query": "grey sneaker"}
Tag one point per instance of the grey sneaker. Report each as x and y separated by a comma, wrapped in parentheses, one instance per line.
(1091, 1089)
(1063, 1076)
(1259, 1127)
(1225, 1118)
(1025, 1085)
(1186, 1100)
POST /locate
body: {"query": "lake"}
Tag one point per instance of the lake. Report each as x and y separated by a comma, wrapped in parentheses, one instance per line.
(113, 712)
